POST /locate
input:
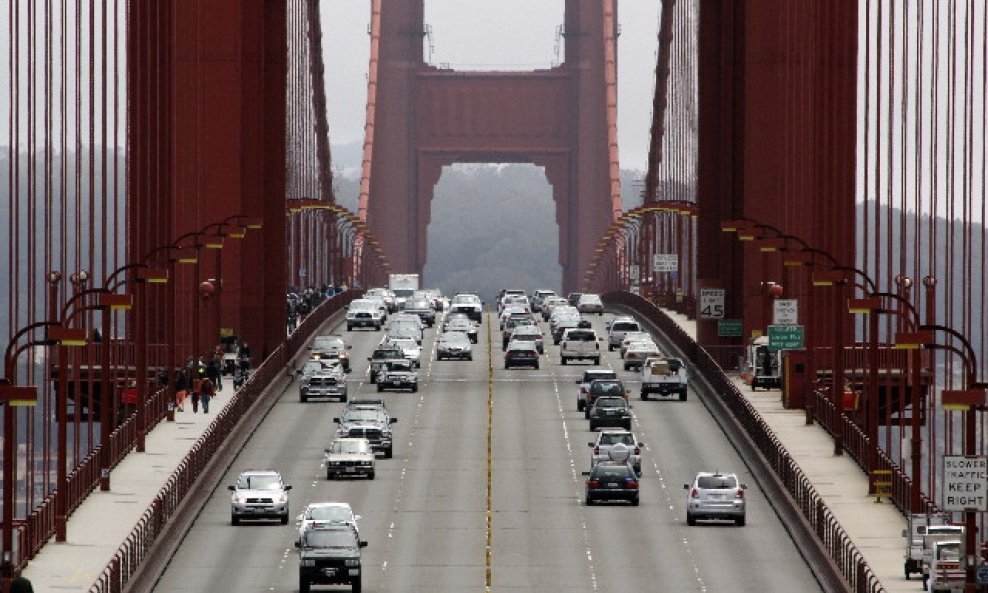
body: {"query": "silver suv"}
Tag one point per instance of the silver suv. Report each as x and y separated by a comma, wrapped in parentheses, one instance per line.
(608, 438)
(715, 496)
(259, 494)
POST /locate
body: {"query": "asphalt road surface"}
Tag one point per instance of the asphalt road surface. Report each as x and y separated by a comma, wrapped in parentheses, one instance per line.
(425, 515)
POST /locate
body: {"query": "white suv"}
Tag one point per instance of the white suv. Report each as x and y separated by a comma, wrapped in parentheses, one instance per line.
(259, 494)
(579, 343)
(618, 328)
(364, 313)
(608, 438)
(715, 496)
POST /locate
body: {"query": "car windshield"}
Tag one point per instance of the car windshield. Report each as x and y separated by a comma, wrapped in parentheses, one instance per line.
(388, 353)
(312, 366)
(610, 471)
(527, 330)
(331, 514)
(617, 438)
(625, 326)
(581, 336)
(454, 338)
(611, 402)
(716, 482)
(399, 365)
(406, 343)
(417, 304)
(356, 415)
(347, 447)
(259, 482)
(330, 538)
(594, 375)
(607, 388)
(465, 299)
(328, 344)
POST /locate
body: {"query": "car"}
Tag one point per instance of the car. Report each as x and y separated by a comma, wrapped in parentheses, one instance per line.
(664, 375)
(411, 349)
(454, 316)
(612, 480)
(349, 457)
(584, 382)
(549, 304)
(539, 296)
(573, 298)
(521, 354)
(319, 514)
(259, 494)
(562, 324)
(634, 337)
(468, 303)
(326, 382)
(384, 352)
(715, 495)
(422, 307)
(331, 348)
(513, 311)
(510, 324)
(398, 373)
(330, 555)
(590, 303)
(464, 326)
(579, 343)
(617, 330)
(364, 313)
(610, 411)
(313, 366)
(516, 300)
(371, 423)
(529, 333)
(452, 345)
(638, 353)
(385, 296)
(405, 328)
(608, 438)
(602, 387)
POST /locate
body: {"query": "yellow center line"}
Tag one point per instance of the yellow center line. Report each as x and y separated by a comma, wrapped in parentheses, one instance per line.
(490, 454)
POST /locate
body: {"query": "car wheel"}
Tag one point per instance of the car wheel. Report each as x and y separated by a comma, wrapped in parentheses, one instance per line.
(343, 398)
(644, 396)
(470, 357)
(634, 501)
(284, 519)
(589, 501)
(507, 366)
(234, 520)
(415, 388)
(349, 327)
(303, 398)
(356, 585)
(370, 476)
(329, 475)
(536, 366)
(627, 367)
(739, 521)
(562, 360)
(596, 360)
(388, 453)
(690, 520)
(303, 585)
(593, 426)
(579, 406)
(380, 387)
(682, 395)
(610, 348)
(586, 412)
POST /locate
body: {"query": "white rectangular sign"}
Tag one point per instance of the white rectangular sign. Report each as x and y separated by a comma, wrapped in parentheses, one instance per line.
(665, 262)
(785, 312)
(712, 303)
(633, 272)
(965, 483)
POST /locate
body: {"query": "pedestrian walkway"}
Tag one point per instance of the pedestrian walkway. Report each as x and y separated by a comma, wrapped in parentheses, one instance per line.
(875, 528)
(103, 521)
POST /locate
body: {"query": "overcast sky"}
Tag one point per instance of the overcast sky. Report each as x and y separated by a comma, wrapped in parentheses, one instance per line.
(492, 35)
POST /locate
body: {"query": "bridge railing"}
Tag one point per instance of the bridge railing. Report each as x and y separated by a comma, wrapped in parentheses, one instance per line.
(139, 545)
(848, 559)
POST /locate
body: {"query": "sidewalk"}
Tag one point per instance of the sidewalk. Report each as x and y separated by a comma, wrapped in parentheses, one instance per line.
(875, 528)
(104, 519)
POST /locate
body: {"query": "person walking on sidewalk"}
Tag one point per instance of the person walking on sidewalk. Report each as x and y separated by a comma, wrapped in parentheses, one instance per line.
(207, 391)
(196, 390)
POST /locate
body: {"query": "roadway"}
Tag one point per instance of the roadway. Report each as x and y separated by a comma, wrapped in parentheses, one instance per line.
(424, 515)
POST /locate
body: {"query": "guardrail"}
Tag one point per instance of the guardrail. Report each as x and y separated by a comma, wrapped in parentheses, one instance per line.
(848, 559)
(138, 545)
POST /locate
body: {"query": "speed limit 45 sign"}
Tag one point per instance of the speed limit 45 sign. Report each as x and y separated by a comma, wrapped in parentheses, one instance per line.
(712, 303)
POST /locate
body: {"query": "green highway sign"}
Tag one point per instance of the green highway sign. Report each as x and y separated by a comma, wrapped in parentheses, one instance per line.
(785, 337)
(729, 328)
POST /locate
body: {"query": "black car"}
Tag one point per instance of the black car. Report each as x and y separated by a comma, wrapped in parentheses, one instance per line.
(329, 555)
(610, 411)
(612, 480)
(422, 308)
(521, 354)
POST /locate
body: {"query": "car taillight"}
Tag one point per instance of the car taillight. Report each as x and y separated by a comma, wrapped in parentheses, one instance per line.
(593, 484)
(596, 346)
(638, 450)
(740, 493)
(631, 483)
(596, 450)
(694, 493)
(583, 390)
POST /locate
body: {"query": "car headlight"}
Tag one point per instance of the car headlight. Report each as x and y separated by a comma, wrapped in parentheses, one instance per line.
(344, 355)
(352, 562)
(239, 498)
(309, 562)
(283, 498)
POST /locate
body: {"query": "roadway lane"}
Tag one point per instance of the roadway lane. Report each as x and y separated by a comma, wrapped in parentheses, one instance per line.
(424, 514)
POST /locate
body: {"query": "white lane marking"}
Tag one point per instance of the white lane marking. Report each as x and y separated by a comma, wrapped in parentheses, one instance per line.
(576, 485)
(401, 480)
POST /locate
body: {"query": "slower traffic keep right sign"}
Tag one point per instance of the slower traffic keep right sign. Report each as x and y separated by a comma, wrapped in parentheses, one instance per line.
(965, 483)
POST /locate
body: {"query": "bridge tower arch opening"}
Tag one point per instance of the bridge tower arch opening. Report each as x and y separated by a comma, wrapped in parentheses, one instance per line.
(477, 245)
(428, 117)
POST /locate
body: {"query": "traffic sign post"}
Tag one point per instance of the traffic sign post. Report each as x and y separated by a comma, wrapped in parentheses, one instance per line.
(665, 262)
(785, 337)
(965, 483)
(730, 328)
(712, 303)
(785, 312)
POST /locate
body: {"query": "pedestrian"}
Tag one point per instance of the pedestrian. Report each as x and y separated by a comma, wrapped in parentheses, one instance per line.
(207, 391)
(21, 585)
(213, 371)
(196, 386)
(181, 389)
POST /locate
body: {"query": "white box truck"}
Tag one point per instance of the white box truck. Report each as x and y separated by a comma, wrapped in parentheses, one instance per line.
(403, 286)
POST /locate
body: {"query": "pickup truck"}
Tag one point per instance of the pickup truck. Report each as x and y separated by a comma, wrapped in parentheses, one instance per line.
(948, 568)
(579, 344)
(934, 535)
(664, 376)
(919, 524)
